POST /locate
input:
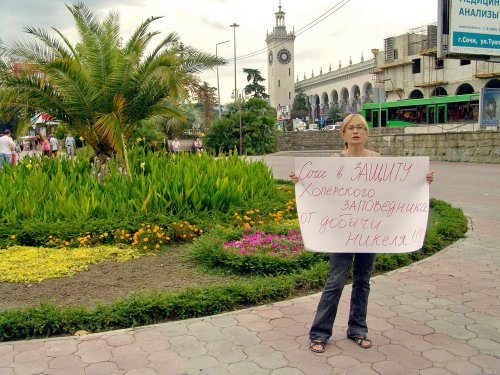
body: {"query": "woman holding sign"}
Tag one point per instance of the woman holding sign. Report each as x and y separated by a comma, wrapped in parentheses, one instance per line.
(355, 134)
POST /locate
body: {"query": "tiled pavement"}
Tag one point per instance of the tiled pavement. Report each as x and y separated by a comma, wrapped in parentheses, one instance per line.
(440, 316)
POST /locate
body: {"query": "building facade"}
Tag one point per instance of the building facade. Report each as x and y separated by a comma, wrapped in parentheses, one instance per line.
(408, 67)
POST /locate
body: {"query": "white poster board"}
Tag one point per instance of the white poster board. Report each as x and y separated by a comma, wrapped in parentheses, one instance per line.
(362, 205)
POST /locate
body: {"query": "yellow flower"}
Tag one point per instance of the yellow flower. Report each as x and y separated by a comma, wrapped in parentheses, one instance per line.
(145, 239)
(29, 165)
(105, 234)
(157, 246)
(13, 237)
(82, 139)
(138, 139)
(143, 164)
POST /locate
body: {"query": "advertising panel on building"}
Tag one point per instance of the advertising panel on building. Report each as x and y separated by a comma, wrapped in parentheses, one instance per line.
(470, 27)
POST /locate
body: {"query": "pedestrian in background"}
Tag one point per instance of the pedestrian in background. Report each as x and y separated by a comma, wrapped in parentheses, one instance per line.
(70, 145)
(45, 145)
(176, 145)
(54, 145)
(197, 145)
(7, 147)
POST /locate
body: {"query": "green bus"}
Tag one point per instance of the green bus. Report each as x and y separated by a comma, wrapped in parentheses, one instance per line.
(435, 110)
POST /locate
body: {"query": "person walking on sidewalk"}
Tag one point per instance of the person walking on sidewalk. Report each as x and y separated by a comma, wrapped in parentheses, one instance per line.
(7, 147)
(70, 145)
(355, 134)
(54, 145)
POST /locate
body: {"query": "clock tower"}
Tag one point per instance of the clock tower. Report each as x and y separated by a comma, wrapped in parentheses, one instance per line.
(280, 60)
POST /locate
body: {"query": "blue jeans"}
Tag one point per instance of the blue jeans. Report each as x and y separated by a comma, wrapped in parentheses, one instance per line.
(5, 158)
(340, 265)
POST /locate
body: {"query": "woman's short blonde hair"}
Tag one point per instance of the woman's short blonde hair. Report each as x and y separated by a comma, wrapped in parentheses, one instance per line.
(354, 118)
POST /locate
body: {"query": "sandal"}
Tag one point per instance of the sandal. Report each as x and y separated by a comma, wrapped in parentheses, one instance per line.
(317, 346)
(362, 341)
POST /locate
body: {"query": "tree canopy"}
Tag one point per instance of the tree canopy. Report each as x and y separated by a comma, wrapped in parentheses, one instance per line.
(258, 124)
(254, 88)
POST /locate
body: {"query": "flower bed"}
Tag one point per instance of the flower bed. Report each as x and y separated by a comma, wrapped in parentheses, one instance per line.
(255, 251)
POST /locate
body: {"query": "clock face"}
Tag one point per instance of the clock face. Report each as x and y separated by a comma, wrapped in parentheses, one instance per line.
(270, 57)
(284, 56)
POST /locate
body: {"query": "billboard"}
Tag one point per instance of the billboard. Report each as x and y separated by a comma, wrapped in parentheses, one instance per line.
(469, 29)
(489, 114)
(283, 113)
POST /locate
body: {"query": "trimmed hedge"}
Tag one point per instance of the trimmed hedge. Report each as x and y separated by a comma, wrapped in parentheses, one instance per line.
(142, 309)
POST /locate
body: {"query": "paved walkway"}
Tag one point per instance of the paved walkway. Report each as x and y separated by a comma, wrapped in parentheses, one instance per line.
(440, 316)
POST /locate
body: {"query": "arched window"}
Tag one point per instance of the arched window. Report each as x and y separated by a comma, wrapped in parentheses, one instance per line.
(416, 94)
(465, 88)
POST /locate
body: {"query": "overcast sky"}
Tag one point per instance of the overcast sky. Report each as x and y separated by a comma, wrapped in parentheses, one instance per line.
(351, 30)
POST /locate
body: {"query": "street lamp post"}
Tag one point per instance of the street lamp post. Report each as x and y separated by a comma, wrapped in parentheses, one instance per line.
(240, 98)
(234, 26)
(218, 90)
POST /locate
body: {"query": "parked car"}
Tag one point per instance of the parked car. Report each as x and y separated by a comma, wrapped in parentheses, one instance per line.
(332, 127)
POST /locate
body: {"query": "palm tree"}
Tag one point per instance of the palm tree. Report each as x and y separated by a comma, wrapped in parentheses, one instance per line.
(254, 88)
(101, 87)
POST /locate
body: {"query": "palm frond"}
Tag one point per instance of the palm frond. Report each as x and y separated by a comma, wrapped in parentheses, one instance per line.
(30, 51)
(140, 35)
(52, 43)
(68, 44)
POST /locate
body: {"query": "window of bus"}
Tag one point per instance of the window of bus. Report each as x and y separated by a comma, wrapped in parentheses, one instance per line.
(463, 112)
(369, 115)
(458, 112)
(408, 114)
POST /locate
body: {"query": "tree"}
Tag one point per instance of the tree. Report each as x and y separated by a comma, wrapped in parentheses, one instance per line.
(101, 87)
(300, 107)
(207, 97)
(254, 88)
(258, 120)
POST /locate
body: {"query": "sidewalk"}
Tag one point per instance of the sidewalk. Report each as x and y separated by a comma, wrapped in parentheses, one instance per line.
(436, 317)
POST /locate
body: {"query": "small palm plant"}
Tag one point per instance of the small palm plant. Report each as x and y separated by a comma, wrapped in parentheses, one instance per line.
(101, 87)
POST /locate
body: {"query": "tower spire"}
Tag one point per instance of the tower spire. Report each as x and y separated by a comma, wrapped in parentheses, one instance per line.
(280, 19)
